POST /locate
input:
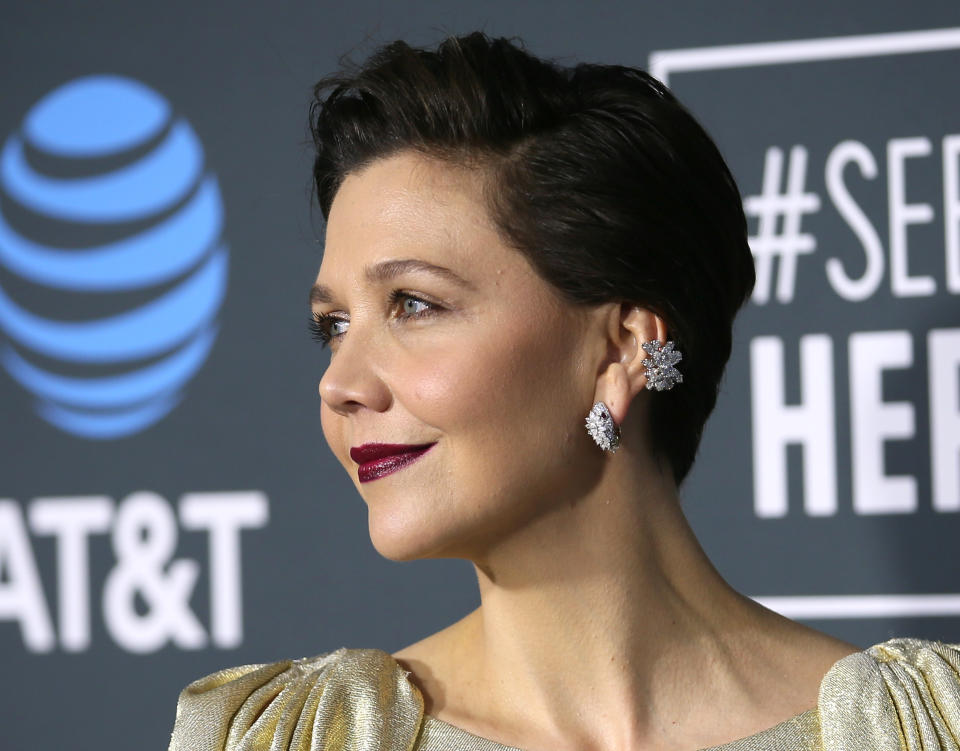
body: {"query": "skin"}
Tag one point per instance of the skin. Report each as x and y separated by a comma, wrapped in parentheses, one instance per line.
(602, 623)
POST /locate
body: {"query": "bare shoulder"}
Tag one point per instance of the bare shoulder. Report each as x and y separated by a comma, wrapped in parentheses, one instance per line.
(818, 649)
(432, 660)
(799, 657)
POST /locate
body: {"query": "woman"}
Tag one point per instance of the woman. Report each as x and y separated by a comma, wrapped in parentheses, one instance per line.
(516, 252)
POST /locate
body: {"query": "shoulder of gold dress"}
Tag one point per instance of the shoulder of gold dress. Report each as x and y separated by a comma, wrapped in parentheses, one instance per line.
(346, 699)
(899, 694)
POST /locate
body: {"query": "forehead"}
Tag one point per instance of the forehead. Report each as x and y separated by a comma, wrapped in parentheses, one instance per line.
(409, 202)
(408, 208)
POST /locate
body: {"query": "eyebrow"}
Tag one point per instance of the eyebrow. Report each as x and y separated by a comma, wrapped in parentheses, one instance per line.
(386, 270)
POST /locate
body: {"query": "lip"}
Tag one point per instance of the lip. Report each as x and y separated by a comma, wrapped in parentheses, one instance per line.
(377, 460)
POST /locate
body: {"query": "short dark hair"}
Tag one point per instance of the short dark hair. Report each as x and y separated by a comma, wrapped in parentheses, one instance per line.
(596, 173)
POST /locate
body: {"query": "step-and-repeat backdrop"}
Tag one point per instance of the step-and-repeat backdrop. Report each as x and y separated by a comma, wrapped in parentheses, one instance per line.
(167, 503)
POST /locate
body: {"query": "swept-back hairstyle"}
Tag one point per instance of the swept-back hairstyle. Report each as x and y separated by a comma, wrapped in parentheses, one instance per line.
(596, 173)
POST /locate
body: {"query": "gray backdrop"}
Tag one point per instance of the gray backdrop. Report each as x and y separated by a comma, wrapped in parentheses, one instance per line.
(222, 531)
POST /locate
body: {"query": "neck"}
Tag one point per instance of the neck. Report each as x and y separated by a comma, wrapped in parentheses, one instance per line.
(606, 607)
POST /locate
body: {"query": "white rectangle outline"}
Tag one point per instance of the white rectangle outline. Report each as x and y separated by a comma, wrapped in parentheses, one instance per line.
(664, 62)
(829, 607)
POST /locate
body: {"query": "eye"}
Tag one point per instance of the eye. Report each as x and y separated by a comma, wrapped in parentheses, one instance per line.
(411, 305)
(325, 328)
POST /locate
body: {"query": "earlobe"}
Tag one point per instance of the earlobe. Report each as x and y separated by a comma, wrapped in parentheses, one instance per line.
(617, 391)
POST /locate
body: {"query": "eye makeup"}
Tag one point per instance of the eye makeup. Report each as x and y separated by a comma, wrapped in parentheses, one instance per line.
(321, 325)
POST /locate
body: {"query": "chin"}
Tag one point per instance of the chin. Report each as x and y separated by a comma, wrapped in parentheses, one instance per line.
(399, 541)
(401, 549)
(400, 538)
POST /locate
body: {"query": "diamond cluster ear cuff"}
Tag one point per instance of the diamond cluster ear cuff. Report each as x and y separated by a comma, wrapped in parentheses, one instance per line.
(661, 375)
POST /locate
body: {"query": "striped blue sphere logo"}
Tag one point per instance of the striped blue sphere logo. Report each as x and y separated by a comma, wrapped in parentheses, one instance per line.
(113, 266)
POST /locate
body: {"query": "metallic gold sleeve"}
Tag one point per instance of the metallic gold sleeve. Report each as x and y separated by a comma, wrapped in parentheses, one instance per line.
(901, 695)
(347, 700)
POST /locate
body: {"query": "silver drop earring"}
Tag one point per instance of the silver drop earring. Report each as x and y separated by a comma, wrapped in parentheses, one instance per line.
(661, 375)
(602, 428)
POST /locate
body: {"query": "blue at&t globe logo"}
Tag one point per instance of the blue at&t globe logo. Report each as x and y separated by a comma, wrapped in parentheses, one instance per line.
(112, 261)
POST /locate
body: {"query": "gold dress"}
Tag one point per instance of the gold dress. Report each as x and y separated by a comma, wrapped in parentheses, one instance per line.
(901, 695)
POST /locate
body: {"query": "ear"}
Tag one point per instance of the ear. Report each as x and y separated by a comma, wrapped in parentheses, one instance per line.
(628, 326)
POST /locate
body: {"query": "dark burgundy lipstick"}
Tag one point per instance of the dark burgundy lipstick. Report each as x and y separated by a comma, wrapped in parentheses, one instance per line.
(376, 460)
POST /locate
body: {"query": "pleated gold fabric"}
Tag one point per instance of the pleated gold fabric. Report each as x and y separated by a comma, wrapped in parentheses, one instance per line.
(901, 695)
(348, 700)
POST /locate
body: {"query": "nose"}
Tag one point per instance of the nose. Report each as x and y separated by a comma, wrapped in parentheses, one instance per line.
(351, 380)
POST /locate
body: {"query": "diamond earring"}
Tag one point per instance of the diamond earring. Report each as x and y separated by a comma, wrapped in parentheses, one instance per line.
(661, 375)
(602, 428)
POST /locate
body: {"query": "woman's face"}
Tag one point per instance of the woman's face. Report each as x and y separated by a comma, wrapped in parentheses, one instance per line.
(443, 335)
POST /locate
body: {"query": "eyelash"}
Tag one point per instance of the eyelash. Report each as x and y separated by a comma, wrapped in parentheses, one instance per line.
(319, 323)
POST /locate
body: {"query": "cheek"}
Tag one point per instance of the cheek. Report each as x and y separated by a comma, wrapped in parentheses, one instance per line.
(439, 389)
(519, 380)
